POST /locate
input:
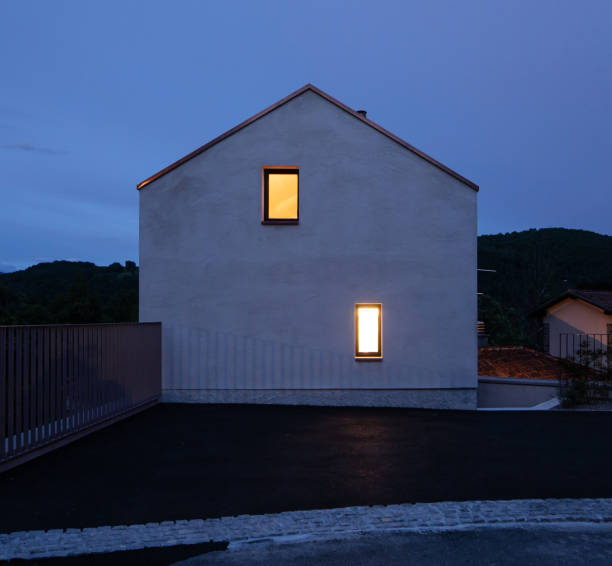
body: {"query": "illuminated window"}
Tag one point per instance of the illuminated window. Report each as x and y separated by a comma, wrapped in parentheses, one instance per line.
(280, 196)
(368, 331)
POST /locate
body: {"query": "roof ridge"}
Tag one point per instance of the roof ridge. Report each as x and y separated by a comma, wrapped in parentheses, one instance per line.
(295, 94)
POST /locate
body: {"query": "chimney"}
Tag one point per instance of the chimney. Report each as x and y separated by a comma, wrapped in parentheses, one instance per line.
(362, 112)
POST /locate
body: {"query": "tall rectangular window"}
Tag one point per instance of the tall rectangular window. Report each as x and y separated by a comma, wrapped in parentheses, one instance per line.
(368, 331)
(280, 195)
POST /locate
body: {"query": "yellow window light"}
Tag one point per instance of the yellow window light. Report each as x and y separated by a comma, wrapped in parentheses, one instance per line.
(283, 195)
(368, 330)
(281, 190)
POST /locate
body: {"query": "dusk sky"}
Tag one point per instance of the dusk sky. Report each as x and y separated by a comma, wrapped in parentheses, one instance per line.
(97, 96)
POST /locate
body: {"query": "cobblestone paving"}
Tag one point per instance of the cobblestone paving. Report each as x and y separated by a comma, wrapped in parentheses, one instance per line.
(306, 525)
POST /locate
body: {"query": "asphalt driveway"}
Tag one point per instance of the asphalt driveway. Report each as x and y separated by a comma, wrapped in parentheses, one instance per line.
(200, 461)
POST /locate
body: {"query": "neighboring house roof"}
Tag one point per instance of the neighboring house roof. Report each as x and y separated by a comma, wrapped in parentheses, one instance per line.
(599, 299)
(518, 362)
(284, 101)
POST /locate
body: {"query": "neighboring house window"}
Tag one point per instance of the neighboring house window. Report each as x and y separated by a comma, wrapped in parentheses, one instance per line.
(280, 195)
(368, 331)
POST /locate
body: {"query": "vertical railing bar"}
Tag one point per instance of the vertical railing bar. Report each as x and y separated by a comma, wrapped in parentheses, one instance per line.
(85, 375)
(77, 377)
(98, 331)
(90, 372)
(95, 372)
(40, 380)
(71, 376)
(66, 393)
(79, 350)
(87, 360)
(102, 370)
(58, 379)
(126, 363)
(87, 370)
(11, 389)
(101, 375)
(105, 370)
(3, 399)
(18, 388)
(115, 362)
(66, 381)
(49, 388)
(43, 352)
(37, 407)
(94, 356)
(119, 369)
(121, 372)
(26, 386)
(45, 377)
(52, 380)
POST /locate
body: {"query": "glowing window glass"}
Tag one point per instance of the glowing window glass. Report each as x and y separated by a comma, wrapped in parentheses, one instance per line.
(368, 330)
(281, 195)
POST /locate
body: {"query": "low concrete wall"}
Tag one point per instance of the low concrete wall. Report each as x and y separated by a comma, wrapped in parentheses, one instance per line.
(500, 392)
(421, 398)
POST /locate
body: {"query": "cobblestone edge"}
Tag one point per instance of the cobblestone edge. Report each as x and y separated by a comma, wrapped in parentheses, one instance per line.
(302, 525)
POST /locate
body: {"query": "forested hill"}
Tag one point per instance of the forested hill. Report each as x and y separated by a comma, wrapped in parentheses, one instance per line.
(532, 267)
(68, 291)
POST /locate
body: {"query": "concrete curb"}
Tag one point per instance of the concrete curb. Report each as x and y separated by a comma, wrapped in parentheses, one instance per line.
(296, 526)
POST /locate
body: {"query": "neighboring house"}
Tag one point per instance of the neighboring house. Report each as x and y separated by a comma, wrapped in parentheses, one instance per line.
(309, 256)
(576, 318)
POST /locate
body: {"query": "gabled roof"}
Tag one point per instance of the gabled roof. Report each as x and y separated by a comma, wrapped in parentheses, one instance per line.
(284, 101)
(599, 299)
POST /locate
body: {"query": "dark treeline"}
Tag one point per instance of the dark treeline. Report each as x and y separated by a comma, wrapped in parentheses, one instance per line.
(532, 267)
(68, 291)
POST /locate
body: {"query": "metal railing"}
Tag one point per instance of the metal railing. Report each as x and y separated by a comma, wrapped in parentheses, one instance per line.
(587, 360)
(593, 350)
(58, 381)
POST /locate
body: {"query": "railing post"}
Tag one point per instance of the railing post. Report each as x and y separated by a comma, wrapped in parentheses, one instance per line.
(3, 399)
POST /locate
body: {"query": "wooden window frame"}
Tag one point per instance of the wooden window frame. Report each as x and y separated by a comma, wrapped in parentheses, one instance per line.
(368, 356)
(265, 195)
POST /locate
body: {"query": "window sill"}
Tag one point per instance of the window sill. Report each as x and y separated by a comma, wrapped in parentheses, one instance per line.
(280, 222)
(368, 358)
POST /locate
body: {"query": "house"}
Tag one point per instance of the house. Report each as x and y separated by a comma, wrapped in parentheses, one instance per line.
(578, 318)
(309, 256)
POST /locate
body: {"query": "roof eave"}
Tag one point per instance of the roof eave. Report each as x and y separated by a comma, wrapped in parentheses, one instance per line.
(572, 295)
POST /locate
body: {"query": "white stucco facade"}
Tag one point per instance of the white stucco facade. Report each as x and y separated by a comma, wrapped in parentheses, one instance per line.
(260, 313)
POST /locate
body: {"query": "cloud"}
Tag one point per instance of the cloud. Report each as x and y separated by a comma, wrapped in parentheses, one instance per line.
(32, 148)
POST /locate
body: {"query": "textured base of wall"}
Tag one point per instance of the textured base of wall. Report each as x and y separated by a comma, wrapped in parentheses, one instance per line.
(416, 398)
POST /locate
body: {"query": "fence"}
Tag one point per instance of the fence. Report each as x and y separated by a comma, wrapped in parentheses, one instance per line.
(591, 350)
(58, 382)
(588, 368)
